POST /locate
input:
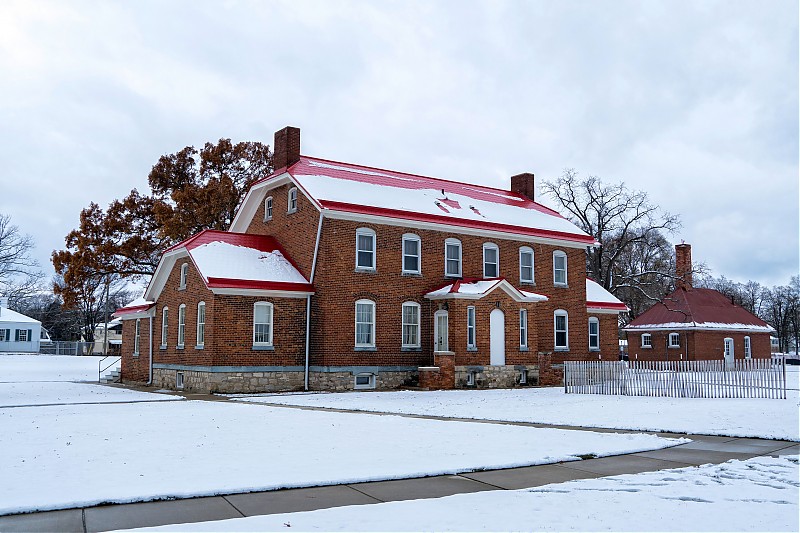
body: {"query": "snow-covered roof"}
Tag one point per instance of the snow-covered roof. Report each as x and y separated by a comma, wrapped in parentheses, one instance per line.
(369, 192)
(134, 308)
(598, 298)
(698, 309)
(8, 316)
(234, 263)
(475, 289)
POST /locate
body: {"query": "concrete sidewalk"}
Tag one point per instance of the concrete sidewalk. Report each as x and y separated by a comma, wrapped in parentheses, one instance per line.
(703, 449)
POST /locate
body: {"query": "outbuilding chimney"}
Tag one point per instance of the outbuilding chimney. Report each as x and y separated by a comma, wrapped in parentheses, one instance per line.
(683, 266)
(286, 149)
(523, 184)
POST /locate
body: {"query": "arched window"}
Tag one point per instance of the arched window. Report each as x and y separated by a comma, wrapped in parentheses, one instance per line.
(201, 324)
(491, 260)
(164, 330)
(412, 254)
(262, 324)
(184, 273)
(365, 324)
(292, 200)
(526, 264)
(559, 268)
(268, 209)
(365, 249)
(561, 330)
(452, 258)
(410, 325)
(181, 325)
(594, 333)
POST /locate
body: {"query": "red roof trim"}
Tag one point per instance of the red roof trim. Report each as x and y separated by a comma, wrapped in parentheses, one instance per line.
(135, 309)
(606, 305)
(437, 219)
(227, 283)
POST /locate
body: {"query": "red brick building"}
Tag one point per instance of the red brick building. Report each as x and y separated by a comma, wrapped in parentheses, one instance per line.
(696, 324)
(337, 276)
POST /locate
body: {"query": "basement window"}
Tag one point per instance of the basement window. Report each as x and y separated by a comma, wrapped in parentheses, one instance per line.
(179, 380)
(471, 378)
(365, 381)
(523, 377)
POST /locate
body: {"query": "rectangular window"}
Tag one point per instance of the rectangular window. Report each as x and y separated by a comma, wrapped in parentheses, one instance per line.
(268, 209)
(262, 324)
(164, 330)
(136, 338)
(470, 327)
(491, 268)
(23, 335)
(674, 340)
(647, 341)
(292, 200)
(411, 253)
(523, 328)
(561, 326)
(201, 324)
(526, 265)
(181, 325)
(365, 249)
(411, 325)
(452, 251)
(3, 335)
(184, 272)
(365, 324)
(594, 334)
(179, 380)
(559, 268)
(748, 354)
(365, 381)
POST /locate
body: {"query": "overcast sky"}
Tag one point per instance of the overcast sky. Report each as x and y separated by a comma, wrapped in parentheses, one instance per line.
(694, 102)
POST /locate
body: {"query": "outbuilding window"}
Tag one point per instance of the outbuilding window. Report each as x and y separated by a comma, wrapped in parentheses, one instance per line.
(748, 354)
(674, 340)
(647, 340)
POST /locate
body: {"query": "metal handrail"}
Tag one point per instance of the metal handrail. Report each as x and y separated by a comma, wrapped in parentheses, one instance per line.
(99, 364)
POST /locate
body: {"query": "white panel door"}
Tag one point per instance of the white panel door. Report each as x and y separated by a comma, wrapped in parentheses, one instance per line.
(497, 337)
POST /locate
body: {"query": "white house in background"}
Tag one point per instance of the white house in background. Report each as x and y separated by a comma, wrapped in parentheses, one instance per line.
(18, 333)
(114, 338)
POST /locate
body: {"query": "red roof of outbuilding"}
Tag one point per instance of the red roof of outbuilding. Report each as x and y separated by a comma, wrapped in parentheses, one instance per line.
(698, 309)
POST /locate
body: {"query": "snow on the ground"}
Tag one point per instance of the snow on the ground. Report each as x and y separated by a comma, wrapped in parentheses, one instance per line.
(49, 393)
(51, 455)
(759, 494)
(38, 367)
(762, 418)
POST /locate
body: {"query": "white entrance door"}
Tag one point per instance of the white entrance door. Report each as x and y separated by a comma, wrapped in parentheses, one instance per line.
(729, 351)
(497, 338)
(440, 331)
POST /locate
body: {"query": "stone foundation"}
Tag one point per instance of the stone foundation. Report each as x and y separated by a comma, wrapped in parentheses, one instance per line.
(495, 377)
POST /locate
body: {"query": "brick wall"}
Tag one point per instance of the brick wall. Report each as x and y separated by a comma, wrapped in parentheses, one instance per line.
(696, 345)
(135, 368)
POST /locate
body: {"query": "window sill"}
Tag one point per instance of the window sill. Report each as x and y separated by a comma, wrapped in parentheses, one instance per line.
(529, 283)
(472, 348)
(162, 347)
(179, 347)
(561, 285)
(365, 349)
(200, 347)
(135, 354)
(523, 349)
(182, 288)
(594, 349)
(646, 347)
(674, 347)
(364, 269)
(557, 349)
(453, 276)
(412, 274)
(263, 348)
(291, 211)
(410, 348)
(267, 219)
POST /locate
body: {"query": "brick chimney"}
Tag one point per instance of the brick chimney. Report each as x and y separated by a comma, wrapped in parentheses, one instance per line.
(523, 184)
(286, 150)
(683, 266)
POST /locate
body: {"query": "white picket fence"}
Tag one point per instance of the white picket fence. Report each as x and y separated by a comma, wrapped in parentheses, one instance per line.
(744, 378)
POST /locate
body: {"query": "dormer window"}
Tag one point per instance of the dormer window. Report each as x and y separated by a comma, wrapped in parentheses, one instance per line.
(268, 209)
(491, 260)
(184, 273)
(292, 200)
(365, 249)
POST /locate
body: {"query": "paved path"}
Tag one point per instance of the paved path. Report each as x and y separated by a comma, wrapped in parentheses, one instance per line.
(703, 449)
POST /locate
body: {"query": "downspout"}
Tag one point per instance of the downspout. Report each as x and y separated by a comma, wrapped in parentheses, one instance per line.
(308, 303)
(150, 349)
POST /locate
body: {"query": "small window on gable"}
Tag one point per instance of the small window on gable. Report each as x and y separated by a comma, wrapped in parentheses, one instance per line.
(268, 209)
(184, 273)
(365, 249)
(526, 264)
(594, 333)
(559, 268)
(748, 353)
(674, 340)
(262, 324)
(365, 381)
(647, 340)
(411, 254)
(561, 330)
(452, 258)
(491, 260)
(292, 200)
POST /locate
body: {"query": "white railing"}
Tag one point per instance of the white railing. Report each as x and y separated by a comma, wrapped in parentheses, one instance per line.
(743, 378)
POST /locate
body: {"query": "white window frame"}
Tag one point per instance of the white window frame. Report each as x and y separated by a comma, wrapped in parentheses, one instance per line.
(556, 346)
(136, 337)
(748, 348)
(523, 376)
(370, 381)
(671, 342)
(292, 200)
(371, 343)
(649, 340)
(411, 237)
(559, 253)
(446, 346)
(201, 324)
(184, 275)
(269, 323)
(164, 326)
(182, 326)
(523, 329)
(596, 321)
(414, 325)
(471, 332)
(179, 380)
(268, 208)
(471, 378)
(457, 243)
(725, 345)
(23, 335)
(3, 335)
(486, 247)
(367, 232)
(525, 250)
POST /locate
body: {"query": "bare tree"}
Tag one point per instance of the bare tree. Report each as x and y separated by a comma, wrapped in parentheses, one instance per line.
(633, 253)
(20, 276)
